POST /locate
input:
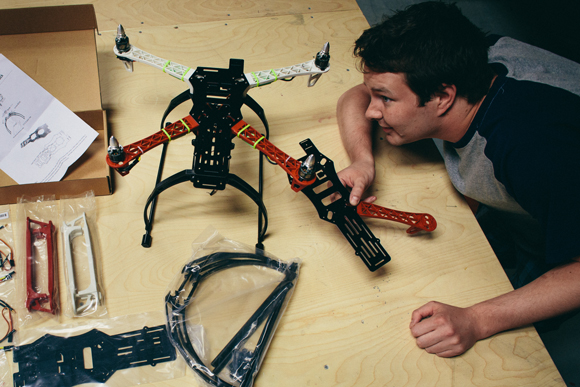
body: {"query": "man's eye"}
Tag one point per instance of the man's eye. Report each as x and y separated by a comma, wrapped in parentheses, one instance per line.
(385, 99)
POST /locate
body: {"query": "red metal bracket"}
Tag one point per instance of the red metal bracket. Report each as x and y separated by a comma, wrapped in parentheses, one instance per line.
(44, 302)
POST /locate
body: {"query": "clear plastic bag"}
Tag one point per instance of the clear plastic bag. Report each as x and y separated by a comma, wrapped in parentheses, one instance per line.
(7, 274)
(37, 259)
(224, 307)
(116, 352)
(81, 253)
(7, 260)
(5, 375)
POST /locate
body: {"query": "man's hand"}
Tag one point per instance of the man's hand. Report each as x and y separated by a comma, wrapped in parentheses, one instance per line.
(358, 177)
(444, 330)
(449, 331)
(355, 133)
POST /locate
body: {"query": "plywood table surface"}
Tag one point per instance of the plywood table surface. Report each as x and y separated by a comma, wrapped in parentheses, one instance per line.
(344, 325)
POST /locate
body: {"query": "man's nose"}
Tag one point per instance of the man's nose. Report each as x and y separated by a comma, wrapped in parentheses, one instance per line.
(373, 113)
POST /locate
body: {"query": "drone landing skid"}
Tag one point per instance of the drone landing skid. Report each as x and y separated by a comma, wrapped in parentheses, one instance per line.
(190, 175)
(217, 100)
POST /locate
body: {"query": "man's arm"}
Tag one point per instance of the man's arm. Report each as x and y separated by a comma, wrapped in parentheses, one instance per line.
(449, 331)
(355, 132)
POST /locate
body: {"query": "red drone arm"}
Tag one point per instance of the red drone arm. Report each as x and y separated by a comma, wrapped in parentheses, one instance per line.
(417, 222)
(290, 165)
(136, 149)
(250, 135)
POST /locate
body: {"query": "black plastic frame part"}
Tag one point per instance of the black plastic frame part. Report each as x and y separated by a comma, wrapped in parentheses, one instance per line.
(330, 198)
(243, 364)
(60, 361)
(218, 97)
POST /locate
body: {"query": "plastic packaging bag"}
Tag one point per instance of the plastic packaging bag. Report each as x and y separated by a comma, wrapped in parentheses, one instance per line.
(37, 259)
(116, 352)
(7, 274)
(7, 260)
(81, 251)
(224, 307)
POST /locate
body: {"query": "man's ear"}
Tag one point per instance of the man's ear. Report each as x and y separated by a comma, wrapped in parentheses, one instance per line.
(445, 98)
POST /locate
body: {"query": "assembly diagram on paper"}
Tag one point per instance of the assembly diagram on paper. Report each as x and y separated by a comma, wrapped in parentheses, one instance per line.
(39, 136)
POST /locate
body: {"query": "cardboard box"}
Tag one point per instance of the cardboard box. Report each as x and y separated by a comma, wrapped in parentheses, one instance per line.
(56, 47)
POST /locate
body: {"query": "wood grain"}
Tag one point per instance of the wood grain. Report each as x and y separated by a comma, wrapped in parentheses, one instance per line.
(344, 325)
(175, 13)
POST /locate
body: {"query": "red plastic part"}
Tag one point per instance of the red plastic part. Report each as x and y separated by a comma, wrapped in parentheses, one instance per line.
(136, 149)
(287, 163)
(417, 222)
(249, 135)
(291, 166)
(35, 300)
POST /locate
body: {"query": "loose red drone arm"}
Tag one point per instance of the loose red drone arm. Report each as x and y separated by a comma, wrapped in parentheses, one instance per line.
(136, 149)
(250, 135)
(417, 222)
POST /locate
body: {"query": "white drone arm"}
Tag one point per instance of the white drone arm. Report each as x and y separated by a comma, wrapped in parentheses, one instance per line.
(260, 78)
(129, 54)
(135, 54)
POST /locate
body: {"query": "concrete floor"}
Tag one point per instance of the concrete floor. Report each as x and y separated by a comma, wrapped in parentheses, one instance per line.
(554, 26)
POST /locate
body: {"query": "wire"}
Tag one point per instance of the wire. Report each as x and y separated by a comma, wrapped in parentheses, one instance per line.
(9, 320)
(8, 258)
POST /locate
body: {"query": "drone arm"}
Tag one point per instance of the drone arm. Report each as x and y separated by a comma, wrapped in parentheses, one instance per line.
(255, 79)
(250, 135)
(129, 54)
(135, 54)
(123, 160)
(290, 165)
(260, 78)
(314, 68)
(417, 222)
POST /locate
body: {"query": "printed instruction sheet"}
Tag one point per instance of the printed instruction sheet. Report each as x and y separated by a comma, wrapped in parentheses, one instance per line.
(39, 136)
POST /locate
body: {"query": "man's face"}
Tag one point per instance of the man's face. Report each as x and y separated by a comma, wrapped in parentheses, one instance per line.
(396, 109)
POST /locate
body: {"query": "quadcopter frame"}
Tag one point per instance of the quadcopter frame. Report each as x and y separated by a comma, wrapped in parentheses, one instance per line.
(217, 96)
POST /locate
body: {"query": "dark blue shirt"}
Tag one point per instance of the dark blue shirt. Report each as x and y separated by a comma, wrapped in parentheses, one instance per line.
(521, 154)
